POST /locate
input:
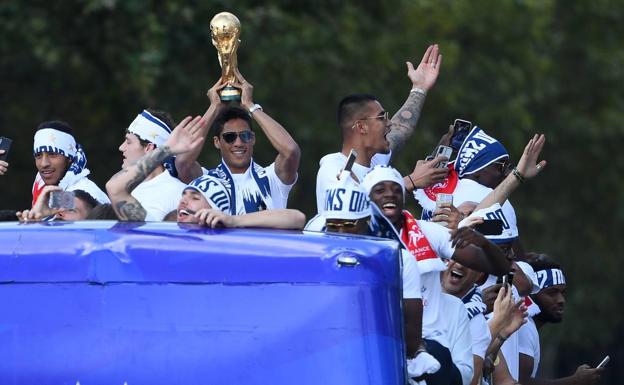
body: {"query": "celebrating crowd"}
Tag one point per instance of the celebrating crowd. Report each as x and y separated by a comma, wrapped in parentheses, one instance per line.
(473, 300)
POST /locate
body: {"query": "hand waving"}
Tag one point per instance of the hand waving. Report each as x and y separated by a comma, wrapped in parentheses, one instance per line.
(426, 74)
(187, 135)
(528, 165)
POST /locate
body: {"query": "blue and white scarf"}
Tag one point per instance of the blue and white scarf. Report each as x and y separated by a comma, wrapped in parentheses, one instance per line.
(256, 192)
(478, 151)
(473, 301)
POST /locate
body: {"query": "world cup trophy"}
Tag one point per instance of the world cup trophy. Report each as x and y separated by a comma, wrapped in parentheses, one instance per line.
(225, 30)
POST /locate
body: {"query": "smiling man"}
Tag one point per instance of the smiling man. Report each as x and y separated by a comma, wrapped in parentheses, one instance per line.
(60, 161)
(430, 244)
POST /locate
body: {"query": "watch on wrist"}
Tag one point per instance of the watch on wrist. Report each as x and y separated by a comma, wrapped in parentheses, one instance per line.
(255, 108)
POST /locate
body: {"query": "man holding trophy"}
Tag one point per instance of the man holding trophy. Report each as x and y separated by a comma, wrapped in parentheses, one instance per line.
(230, 114)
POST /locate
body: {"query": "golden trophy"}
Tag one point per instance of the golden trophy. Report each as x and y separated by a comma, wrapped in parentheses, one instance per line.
(225, 30)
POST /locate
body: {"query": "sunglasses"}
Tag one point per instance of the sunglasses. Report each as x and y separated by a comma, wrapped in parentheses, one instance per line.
(245, 136)
(505, 166)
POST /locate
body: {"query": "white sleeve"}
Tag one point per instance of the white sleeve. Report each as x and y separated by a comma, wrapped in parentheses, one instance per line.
(459, 337)
(326, 177)
(439, 238)
(279, 190)
(410, 276)
(480, 333)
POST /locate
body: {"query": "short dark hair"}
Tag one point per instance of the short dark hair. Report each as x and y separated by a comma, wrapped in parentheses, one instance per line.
(349, 106)
(57, 125)
(87, 198)
(228, 114)
(102, 211)
(539, 261)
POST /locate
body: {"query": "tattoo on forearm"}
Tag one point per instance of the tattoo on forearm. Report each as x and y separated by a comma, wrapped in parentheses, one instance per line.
(404, 121)
(130, 211)
(147, 164)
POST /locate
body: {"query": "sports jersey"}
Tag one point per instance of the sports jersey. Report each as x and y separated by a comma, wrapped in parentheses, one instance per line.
(330, 167)
(258, 188)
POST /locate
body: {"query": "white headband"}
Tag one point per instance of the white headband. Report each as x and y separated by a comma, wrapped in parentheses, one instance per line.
(54, 141)
(148, 127)
(382, 173)
(530, 274)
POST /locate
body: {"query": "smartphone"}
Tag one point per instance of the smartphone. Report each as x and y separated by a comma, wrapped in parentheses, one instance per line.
(604, 362)
(350, 160)
(490, 227)
(5, 144)
(506, 279)
(440, 199)
(444, 151)
(461, 129)
(61, 200)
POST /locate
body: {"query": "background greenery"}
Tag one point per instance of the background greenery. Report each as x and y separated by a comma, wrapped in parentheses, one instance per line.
(513, 67)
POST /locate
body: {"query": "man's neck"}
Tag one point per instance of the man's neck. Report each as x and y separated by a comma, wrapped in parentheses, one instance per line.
(236, 170)
(159, 170)
(363, 157)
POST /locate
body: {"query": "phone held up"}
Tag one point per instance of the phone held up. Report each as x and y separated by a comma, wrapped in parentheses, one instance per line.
(490, 227)
(604, 362)
(461, 129)
(5, 144)
(61, 200)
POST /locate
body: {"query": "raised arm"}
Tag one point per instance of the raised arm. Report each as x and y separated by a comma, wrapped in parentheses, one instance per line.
(186, 164)
(287, 160)
(527, 168)
(423, 78)
(475, 251)
(185, 137)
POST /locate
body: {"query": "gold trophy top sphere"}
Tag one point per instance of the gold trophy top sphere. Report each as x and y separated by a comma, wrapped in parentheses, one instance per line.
(225, 31)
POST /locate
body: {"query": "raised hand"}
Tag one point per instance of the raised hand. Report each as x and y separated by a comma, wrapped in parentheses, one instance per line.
(187, 136)
(426, 173)
(465, 236)
(246, 90)
(213, 94)
(4, 166)
(528, 165)
(588, 376)
(447, 215)
(426, 74)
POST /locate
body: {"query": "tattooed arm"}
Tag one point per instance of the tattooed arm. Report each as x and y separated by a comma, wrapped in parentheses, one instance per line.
(184, 138)
(423, 78)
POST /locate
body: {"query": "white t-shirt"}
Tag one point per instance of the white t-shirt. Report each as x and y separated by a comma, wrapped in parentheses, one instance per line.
(159, 196)
(87, 185)
(439, 238)
(250, 197)
(332, 164)
(528, 343)
(457, 329)
(481, 336)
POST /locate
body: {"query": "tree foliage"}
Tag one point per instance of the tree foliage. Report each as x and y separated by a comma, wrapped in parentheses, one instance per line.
(514, 67)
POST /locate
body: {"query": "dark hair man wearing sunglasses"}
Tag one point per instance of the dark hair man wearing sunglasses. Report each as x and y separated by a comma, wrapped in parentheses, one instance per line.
(252, 187)
(367, 129)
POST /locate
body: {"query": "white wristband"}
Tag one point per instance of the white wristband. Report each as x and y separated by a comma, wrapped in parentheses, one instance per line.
(419, 90)
(254, 108)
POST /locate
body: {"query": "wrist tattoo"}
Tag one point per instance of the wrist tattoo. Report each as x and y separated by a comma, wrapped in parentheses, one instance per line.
(130, 211)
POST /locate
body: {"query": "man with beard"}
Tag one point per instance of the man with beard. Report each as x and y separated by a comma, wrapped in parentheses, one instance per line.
(430, 244)
(551, 301)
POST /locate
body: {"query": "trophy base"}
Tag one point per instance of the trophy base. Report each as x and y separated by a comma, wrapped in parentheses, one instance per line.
(230, 93)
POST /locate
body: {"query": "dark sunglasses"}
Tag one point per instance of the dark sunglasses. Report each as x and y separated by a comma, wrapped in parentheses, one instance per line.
(245, 136)
(505, 166)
